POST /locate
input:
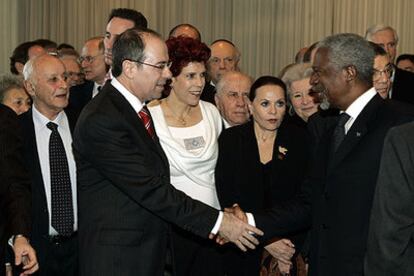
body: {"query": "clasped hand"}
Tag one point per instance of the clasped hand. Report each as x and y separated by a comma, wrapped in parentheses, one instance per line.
(234, 228)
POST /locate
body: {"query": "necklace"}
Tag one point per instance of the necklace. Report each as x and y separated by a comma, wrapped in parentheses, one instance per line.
(180, 119)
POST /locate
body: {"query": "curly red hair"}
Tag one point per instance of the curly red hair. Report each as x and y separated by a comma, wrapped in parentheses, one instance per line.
(183, 50)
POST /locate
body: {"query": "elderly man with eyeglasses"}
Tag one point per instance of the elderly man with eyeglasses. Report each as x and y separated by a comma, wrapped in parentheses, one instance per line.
(95, 69)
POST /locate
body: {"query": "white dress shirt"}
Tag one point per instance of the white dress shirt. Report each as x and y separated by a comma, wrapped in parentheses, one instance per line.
(42, 134)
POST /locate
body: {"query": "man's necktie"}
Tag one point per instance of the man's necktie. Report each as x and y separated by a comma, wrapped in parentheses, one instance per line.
(339, 131)
(61, 191)
(147, 121)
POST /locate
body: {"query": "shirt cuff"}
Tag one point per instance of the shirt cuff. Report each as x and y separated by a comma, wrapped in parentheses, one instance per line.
(216, 227)
(250, 219)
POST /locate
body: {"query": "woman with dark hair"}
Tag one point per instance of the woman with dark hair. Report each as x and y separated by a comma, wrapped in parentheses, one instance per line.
(188, 130)
(261, 163)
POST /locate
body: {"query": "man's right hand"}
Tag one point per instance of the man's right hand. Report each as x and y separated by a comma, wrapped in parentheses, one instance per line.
(26, 255)
(238, 232)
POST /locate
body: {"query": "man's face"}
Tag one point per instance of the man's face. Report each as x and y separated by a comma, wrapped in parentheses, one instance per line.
(406, 64)
(233, 100)
(93, 61)
(149, 81)
(48, 86)
(382, 75)
(386, 40)
(114, 28)
(73, 71)
(223, 59)
(329, 80)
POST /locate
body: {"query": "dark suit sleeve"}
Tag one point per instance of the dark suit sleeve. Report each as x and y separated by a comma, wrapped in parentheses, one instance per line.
(227, 168)
(15, 183)
(129, 163)
(390, 248)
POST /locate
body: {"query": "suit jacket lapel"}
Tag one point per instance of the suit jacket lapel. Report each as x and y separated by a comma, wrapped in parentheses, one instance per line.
(133, 119)
(358, 130)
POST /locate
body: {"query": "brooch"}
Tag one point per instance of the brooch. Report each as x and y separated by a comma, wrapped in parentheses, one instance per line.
(282, 153)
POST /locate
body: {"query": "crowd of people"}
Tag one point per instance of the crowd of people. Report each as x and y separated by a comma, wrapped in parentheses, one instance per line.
(145, 156)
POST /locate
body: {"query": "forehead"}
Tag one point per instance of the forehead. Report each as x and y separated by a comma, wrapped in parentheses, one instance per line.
(383, 36)
(222, 49)
(49, 65)
(237, 84)
(119, 25)
(35, 51)
(269, 91)
(381, 61)
(186, 31)
(91, 46)
(155, 48)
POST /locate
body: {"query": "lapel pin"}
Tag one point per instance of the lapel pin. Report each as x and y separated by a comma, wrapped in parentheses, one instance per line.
(358, 134)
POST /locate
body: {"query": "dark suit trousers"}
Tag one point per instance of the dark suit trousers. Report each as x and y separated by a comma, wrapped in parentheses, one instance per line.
(193, 255)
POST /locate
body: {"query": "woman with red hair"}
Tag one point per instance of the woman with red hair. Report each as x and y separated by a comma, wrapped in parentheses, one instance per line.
(188, 130)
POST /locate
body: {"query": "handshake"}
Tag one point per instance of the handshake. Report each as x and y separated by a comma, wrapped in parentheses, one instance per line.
(234, 228)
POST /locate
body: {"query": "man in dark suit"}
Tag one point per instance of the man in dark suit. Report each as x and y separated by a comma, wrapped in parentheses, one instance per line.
(390, 248)
(402, 81)
(14, 194)
(125, 196)
(224, 58)
(340, 184)
(95, 69)
(48, 155)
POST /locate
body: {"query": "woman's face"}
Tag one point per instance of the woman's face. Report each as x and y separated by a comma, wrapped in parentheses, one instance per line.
(189, 84)
(17, 99)
(302, 102)
(268, 107)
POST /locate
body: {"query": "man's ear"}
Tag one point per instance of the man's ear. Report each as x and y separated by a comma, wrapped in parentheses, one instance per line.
(128, 68)
(350, 73)
(29, 87)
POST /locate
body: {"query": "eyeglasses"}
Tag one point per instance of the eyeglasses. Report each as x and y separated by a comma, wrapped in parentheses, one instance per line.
(160, 66)
(388, 70)
(88, 59)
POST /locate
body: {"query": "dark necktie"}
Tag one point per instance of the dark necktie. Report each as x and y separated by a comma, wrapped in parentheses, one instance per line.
(99, 88)
(146, 120)
(61, 191)
(339, 131)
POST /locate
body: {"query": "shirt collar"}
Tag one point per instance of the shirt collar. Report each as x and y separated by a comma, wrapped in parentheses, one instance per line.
(358, 105)
(41, 120)
(131, 98)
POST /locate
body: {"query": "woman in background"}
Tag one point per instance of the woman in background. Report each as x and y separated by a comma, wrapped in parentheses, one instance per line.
(13, 95)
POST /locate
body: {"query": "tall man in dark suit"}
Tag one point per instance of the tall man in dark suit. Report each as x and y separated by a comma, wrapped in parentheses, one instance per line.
(390, 248)
(48, 155)
(125, 196)
(14, 194)
(341, 182)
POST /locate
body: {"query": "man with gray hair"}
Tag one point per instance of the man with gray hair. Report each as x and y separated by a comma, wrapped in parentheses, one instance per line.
(232, 98)
(402, 81)
(337, 195)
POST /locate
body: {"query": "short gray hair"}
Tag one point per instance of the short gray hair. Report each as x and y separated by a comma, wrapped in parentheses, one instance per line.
(8, 82)
(28, 69)
(350, 50)
(296, 72)
(225, 78)
(371, 31)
